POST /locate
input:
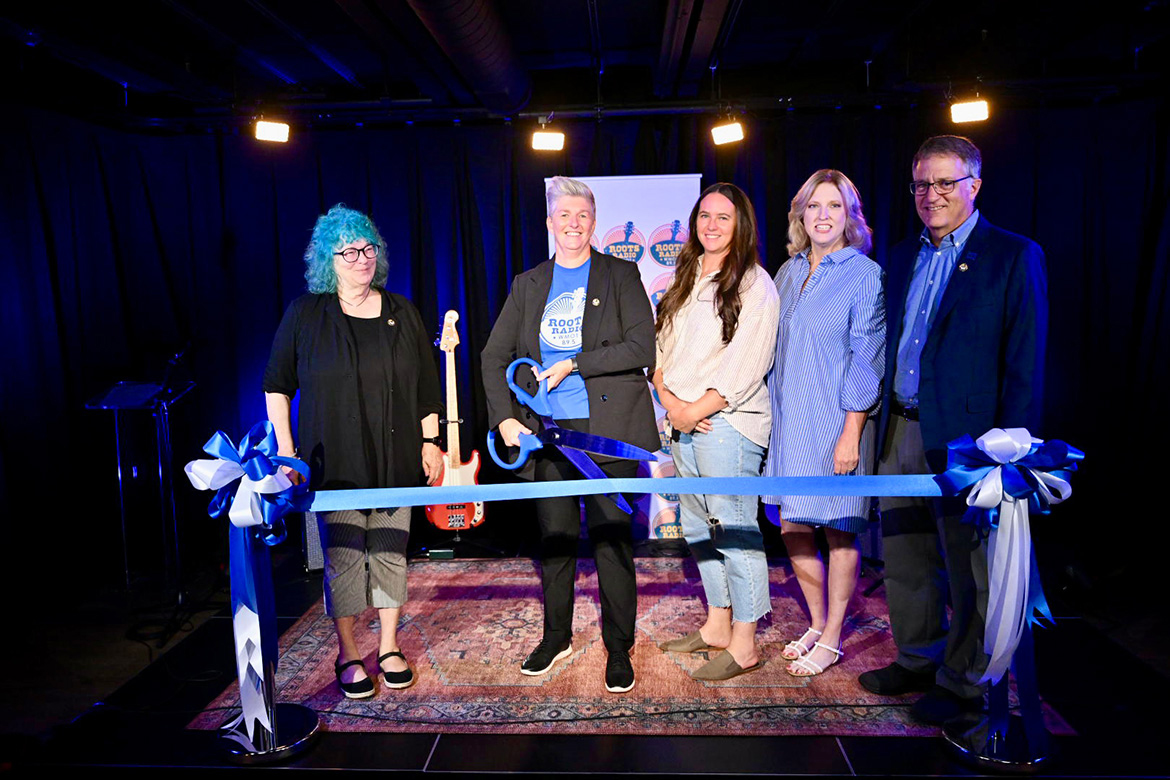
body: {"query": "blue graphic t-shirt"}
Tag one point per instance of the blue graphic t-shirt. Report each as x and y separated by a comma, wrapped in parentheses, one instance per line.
(560, 338)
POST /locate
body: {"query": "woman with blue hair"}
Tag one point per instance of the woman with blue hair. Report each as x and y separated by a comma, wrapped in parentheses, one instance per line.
(369, 418)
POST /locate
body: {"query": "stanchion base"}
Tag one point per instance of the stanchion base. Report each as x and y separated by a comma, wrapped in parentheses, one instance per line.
(1009, 753)
(296, 727)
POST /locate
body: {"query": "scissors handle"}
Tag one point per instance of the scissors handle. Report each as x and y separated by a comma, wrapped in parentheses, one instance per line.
(529, 443)
(537, 403)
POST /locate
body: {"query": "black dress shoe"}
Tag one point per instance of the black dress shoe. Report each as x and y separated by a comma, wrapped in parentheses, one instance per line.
(358, 689)
(619, 672)
(542, 659)
(894, 680)
(940, 705)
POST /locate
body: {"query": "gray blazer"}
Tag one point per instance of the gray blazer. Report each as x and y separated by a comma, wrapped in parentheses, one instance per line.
(617, 343)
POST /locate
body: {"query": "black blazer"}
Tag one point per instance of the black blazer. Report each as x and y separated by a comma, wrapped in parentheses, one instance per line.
(617, 343)
(314, 352)
(983, 361)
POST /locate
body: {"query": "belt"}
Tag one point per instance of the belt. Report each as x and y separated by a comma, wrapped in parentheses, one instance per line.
(905, 412)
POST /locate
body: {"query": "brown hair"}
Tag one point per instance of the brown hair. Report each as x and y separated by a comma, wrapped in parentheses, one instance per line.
(743, 253)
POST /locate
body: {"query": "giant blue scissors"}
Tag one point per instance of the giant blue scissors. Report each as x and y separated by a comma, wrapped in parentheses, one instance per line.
(574, 444)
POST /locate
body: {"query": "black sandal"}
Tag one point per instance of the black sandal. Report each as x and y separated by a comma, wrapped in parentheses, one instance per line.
(358, 689)
(395, 679)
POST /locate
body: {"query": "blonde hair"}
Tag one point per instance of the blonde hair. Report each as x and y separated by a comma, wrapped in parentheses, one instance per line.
(857, 233)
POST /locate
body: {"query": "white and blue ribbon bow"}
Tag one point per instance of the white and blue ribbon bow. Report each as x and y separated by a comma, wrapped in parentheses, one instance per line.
(264, 494)
(1010, 474)
(255, 494)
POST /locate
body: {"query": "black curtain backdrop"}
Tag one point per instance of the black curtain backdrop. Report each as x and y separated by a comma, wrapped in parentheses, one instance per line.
(121, 250)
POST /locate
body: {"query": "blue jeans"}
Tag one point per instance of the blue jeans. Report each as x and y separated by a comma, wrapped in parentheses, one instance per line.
(722, 531)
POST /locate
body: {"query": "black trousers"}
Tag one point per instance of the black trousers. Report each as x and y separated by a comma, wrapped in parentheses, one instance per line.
(610, 533)
(930, 555)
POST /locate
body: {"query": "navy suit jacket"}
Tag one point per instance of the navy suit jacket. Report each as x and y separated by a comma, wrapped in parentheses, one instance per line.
(983, 361)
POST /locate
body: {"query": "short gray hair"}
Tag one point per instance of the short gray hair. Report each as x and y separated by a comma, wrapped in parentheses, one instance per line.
(959, 146)
(564, 187)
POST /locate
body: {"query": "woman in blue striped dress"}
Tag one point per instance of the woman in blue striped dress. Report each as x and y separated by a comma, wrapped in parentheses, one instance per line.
(825, 383)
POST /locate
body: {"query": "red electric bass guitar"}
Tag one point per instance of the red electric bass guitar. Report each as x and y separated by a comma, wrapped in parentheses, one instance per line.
(454, 517)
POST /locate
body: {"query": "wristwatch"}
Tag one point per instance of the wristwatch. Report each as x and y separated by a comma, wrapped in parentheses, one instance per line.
(573, 360)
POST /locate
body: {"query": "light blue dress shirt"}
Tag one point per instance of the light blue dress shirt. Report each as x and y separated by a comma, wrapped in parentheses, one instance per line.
(932, 270)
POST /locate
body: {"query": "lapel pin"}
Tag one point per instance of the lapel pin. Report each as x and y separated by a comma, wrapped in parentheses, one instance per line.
(391, 320)
(962, 266)
(596, 302)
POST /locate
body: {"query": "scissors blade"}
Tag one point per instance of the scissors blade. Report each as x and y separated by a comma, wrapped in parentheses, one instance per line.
(593, 471)
(598, 445)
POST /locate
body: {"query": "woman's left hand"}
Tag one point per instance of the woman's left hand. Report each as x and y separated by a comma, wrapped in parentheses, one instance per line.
(432, 460)
(556, 373)
(846, 455)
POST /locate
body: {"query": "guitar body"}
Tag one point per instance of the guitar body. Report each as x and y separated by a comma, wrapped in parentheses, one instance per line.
(457, 517)
(454, 517)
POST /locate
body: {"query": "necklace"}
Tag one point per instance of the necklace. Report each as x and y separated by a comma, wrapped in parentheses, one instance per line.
(353, 304)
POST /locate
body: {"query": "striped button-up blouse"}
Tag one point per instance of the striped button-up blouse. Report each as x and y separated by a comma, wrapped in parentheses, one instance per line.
(830, 359)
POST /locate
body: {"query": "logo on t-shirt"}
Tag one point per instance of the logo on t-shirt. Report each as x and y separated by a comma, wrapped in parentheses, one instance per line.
(560, 327)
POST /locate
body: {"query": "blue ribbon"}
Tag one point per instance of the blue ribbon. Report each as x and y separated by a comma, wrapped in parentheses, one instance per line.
(869, 485)
(255, 495)
(257, 460)
(1011, 475)
(967, 464)
(1025, 470)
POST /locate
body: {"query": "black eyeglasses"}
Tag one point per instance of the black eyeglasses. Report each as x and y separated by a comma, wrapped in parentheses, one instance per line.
(350, 254)
(942, 186)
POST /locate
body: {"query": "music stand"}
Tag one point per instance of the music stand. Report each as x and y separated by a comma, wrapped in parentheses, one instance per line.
(157, 398)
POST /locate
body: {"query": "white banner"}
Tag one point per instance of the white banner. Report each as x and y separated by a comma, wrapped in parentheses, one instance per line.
(643, 219)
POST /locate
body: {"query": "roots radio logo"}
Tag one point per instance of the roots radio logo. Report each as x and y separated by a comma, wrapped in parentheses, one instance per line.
(667, 525)
(657, 289)
(663, 437)
(664, 470)
(666, 242)
(626, 242)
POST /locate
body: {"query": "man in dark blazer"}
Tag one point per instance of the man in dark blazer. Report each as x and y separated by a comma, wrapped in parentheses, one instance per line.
(968, 318)
(616, 346)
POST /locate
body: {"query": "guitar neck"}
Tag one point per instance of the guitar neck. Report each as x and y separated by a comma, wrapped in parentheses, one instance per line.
(452, 413)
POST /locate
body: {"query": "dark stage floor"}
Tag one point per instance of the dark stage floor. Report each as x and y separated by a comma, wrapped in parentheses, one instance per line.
(1113, 699)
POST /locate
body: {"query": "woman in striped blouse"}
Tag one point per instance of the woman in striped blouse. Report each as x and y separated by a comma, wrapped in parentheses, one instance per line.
(830, 358)
(716, 335)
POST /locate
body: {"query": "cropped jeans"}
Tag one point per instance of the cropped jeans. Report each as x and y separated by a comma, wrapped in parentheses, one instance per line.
(722, 531)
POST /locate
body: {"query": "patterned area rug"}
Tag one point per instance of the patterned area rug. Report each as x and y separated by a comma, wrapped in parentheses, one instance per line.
(470, 623)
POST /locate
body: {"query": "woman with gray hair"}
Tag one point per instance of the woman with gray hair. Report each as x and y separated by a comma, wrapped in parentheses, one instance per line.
(585, 317)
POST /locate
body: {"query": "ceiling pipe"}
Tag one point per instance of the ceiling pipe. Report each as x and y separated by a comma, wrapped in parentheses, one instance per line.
(472, 34)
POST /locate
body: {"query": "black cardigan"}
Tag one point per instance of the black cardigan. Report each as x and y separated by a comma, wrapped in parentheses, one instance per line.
(617, 343)
(314, 352)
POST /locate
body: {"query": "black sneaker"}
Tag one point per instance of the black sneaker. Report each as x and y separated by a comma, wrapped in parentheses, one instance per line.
(546, 654)
(619, 672)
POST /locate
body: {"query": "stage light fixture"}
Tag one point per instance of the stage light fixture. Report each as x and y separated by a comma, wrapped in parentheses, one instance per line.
(969, 111)
(727, 133)
(546, 140)
(271, 131)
